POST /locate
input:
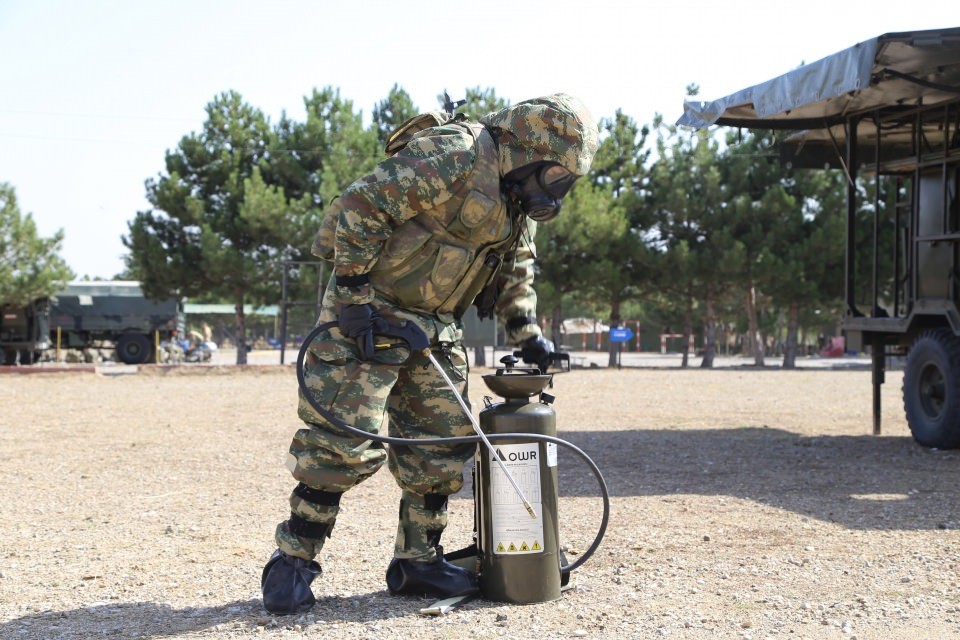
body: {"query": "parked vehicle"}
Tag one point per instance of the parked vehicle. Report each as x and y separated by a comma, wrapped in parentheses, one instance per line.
(102, 315)
(886, 107)
(24, 331)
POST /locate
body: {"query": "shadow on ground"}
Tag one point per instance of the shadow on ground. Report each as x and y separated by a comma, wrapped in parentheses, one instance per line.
(861, 482)
(159, 620)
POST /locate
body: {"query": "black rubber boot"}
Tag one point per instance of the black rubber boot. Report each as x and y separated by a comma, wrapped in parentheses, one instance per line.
(286, 583)
(437, 579)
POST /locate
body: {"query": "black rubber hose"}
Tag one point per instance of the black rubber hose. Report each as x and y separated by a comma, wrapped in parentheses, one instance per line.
(301, 381)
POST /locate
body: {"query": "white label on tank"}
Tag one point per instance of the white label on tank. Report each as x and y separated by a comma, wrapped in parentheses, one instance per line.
(514, 531)
(551, 454)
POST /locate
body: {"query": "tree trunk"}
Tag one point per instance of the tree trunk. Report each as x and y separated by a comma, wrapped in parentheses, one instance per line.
(556, 326)
(687, 329)
(241, 332)
(783, 328)
(790, 346)
(614, 322)
(756, 340)
(709, 331)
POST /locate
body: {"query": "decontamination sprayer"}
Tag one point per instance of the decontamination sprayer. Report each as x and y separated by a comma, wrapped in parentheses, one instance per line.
(516, 524)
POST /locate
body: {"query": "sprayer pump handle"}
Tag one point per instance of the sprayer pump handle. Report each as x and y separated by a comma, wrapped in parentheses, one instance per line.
(510, 361)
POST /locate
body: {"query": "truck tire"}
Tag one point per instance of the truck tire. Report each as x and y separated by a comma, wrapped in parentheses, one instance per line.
(134, 348)
(931, 389)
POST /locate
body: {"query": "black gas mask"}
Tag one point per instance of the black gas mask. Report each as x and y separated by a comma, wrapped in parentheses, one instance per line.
(539, 188)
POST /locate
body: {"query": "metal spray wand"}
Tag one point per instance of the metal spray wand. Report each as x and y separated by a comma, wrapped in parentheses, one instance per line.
(483, 436)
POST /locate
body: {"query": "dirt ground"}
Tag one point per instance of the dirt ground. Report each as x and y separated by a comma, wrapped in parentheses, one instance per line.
(744, 504)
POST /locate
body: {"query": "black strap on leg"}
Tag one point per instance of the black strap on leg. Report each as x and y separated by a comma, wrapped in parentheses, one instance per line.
(435, 502)
(306, 529)
(518, 323)
(318, 496)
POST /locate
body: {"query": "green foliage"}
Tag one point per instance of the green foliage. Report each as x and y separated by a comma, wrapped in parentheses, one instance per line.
(217, 227)
(672, 229)
(886, 237)
(480, 102)
(687, 199)
(713, 225)
(391, 112)
(619, 172)
(202, 235)
(336, 132)
(582, 248)
(30, 266)
(622, 154)
(803, 253)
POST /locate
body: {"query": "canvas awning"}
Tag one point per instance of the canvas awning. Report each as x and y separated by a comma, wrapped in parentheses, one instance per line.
(891, 73)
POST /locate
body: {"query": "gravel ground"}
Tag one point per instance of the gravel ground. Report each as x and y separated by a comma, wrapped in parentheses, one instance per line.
(745, 504)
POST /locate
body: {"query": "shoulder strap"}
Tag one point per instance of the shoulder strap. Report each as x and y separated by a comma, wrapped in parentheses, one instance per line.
(402, 135)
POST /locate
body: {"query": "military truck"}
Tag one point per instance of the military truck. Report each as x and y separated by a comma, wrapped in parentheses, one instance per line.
(888, 109)
(111, 315)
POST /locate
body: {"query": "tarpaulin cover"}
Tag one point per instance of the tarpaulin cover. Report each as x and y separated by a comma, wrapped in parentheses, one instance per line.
(892, 68)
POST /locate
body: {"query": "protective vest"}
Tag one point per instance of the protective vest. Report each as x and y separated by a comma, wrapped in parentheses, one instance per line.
(438, 261)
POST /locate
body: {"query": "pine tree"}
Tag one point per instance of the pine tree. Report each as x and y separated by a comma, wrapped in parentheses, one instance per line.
(30, 265)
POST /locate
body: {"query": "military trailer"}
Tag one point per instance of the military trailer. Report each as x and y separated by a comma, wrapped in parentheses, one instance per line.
(885, 111)
(111, 315)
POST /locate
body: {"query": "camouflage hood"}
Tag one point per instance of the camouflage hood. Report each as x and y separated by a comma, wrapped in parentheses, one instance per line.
(556, 128)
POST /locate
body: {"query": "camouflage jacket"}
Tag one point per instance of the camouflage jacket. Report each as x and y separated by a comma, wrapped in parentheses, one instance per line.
(429, 227)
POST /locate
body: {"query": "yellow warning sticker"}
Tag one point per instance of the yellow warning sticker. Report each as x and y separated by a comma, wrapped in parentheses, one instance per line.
(511, 546)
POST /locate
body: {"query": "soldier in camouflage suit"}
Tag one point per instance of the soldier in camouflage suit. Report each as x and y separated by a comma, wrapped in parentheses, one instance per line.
(445, 221)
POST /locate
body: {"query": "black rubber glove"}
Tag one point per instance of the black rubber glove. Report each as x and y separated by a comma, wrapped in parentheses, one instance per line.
(357, 321)
(536, 350)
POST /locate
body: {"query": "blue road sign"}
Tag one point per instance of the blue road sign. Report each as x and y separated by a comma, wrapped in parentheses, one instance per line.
(621, 334)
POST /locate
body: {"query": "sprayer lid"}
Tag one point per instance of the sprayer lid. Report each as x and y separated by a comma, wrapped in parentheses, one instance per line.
(513, 382)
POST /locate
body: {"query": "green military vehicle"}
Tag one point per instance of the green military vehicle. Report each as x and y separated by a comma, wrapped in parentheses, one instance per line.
(24, 331)
(112, 315)
(888, 108)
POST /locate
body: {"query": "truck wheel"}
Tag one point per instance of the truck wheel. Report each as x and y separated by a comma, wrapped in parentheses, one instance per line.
(134, 348)
(931, 389)
(9, 356)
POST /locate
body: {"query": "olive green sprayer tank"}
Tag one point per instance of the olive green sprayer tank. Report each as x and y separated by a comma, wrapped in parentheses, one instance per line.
(519, 555)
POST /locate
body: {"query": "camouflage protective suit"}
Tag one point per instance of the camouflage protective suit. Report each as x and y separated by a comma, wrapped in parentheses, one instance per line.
(418, 239)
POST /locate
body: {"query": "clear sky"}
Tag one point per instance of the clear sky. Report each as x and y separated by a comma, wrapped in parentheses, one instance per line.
(94, 92)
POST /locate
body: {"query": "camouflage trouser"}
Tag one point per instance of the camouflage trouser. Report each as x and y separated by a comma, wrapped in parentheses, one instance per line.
(326, 461)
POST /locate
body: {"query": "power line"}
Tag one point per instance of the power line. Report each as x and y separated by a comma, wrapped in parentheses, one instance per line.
(53, 114)
(26, 136)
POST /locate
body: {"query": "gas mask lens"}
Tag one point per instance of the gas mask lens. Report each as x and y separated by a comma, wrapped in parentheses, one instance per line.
(556, 180)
